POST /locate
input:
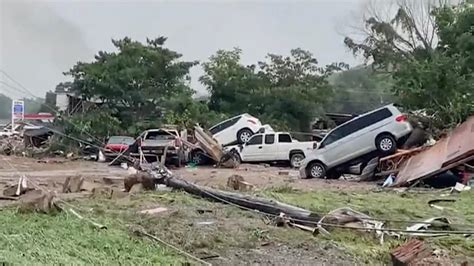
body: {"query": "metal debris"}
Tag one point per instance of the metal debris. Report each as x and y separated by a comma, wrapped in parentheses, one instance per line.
(455, 149)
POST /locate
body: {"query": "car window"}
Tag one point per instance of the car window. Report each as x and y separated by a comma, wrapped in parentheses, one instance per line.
(370, 119)
(255, 140)
(226, 124)
(121, 140)
(337, 134)
(161, 135)
(284, 138)
(270, 139)
(356, 125)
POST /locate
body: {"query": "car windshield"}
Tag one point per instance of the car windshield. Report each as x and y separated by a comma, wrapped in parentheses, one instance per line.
(161, 135)
(121, 140)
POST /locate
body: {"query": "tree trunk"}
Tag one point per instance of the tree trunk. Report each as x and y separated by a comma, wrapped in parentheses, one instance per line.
(263, 205)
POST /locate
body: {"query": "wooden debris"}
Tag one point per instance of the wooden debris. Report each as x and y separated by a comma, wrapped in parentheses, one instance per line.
(99, 226)
(38, 201)
(237, 182)
(73, 184)
(109, 180)
(17, 189)
(102, 192)
(393, 162)
(409, 252)
(154, 210)
(108, 193)
(137, 188)
(142, 178)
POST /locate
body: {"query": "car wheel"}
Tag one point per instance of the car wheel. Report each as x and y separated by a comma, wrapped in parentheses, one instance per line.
(296, 160)
(236, 156)
(386, 144)
(244, 135)
(199, 158)
(317, 170)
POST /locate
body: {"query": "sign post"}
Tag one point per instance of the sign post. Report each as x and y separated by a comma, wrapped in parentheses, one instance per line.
(18, 112)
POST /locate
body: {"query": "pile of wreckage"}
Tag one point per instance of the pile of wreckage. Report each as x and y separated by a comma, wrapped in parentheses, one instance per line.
(442, 163)
(27, 139)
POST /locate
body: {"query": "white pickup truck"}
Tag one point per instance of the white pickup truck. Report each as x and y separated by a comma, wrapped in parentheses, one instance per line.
(272, 147)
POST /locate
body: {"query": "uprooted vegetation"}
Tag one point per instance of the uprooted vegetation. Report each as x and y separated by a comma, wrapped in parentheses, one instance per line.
(226, 234)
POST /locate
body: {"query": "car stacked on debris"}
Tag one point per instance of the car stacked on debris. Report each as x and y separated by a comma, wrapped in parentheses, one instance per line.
(378, 131)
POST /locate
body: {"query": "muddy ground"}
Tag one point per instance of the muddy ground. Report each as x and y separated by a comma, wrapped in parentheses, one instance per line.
(260, 175)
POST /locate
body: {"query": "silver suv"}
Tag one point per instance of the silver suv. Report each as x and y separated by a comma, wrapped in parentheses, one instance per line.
(378, 130)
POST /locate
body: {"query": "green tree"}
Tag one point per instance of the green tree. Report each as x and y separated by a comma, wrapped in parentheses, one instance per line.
(137, 83)
(5, 106)
(431, 62)
(285, 91)
(359, 90)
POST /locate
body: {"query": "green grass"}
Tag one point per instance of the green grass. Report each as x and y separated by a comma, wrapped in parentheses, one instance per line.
(33, 238)
(64, 239)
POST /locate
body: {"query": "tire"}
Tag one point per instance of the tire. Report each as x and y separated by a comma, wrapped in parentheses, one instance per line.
(316, 170)
(199, 158)
(386, 144)
(296, 160)
(244, 135)
(236, 156)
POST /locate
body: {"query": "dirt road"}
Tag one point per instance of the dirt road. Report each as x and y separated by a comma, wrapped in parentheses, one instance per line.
(259, 175)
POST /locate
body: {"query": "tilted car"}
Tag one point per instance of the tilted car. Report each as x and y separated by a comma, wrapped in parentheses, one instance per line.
(236, 130)
(273, 147)
(379, 130)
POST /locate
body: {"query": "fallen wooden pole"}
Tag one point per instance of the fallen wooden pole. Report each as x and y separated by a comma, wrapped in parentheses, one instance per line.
(263, 205)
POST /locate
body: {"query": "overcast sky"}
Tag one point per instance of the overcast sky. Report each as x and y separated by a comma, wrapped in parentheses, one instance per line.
(41, 39)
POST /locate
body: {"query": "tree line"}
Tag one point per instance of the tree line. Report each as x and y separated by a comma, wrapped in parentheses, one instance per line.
(421, 66)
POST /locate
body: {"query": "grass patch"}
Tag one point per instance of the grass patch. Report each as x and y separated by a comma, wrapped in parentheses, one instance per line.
(64, 239)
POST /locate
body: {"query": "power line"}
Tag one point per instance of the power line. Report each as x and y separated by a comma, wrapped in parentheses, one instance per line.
(18, 83)
(11, 89)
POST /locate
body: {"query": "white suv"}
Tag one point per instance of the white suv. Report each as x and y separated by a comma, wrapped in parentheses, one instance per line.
(236, 130)
(378, 130)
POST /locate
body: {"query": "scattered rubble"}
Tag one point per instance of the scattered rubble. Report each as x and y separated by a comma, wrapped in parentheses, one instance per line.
(147, 182)
(73, 184)
(154, 210)
(38, 201)
(408, 253)
(237, 182)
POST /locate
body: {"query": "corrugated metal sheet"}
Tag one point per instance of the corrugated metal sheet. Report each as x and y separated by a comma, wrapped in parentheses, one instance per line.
(461, 142)
(447, 152)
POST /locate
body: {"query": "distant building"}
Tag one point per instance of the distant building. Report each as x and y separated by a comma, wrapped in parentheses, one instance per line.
(68, 101)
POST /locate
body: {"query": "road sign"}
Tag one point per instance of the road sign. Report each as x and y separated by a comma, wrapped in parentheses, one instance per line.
(18, 109)
(18, 112)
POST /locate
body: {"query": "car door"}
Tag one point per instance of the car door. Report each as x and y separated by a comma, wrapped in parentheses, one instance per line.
(252, 150)
(335, 145)
(284, 143)
(269, 151)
